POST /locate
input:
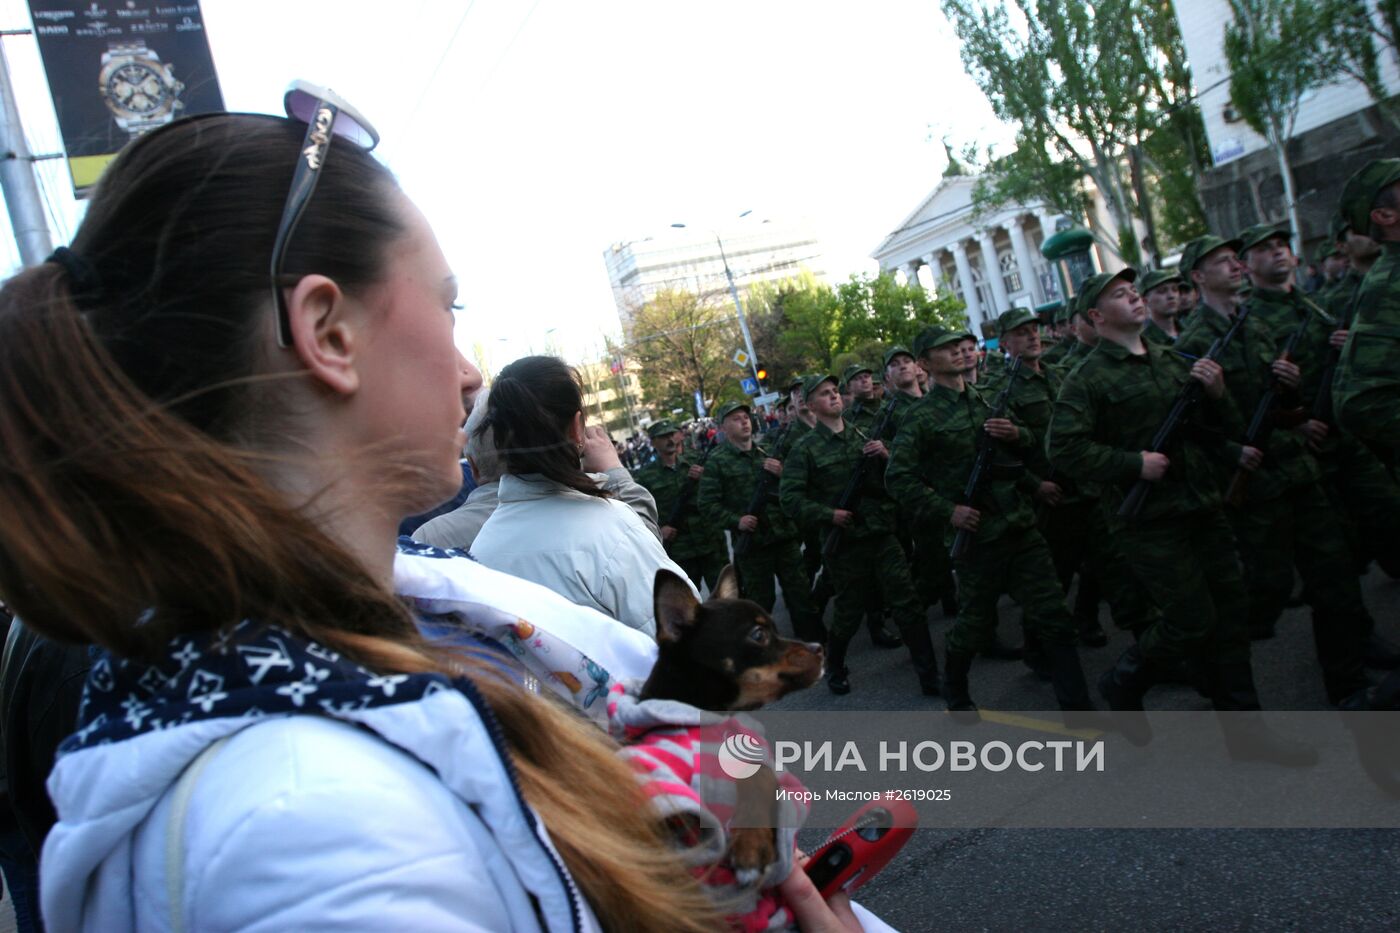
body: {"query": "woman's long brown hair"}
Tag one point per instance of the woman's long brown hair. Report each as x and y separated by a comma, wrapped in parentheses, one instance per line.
(127, 481)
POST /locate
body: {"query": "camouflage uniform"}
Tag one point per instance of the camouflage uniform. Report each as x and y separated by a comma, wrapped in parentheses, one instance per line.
(1354, 476)
(726, 491)
(1076, 530)
(1154, 334)
(698, 546)
(814, 477)
(1287, 520)
(1366, 390)
(929, 466)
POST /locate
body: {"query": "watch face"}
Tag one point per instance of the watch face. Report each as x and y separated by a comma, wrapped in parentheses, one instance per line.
(138, 88)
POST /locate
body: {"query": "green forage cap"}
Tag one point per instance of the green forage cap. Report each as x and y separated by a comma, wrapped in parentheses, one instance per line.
(1324, 249)
(852, 371)
(1359, 193)
(1095, 284)
(1259, 233)
(795, 383)
(662, 428)
(894, 351)
(1199, 249)
(1010, 320)
(1157, 278)
(809, 385)
(729, 408)
(926, 338)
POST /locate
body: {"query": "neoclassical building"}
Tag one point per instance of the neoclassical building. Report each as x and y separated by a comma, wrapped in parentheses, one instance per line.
(991, 261)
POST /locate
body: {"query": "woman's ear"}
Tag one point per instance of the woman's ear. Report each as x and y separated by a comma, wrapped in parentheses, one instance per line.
(325, 332)
(575, 430)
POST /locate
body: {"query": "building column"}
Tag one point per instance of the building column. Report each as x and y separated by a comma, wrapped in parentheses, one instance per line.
(991, 268)
(935, 273)
(974, 303)
(1047, 222)
(1022, 248)
(911, 271)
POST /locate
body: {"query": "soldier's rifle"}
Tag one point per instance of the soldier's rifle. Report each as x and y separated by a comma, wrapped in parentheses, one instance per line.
(1185, 400)
(687, 494)
(982, 464)
(1265, 418)
(855, 484)
(758, 504)
(1322, 404)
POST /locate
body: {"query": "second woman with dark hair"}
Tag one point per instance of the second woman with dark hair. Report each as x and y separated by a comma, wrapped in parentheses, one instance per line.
(556, 524)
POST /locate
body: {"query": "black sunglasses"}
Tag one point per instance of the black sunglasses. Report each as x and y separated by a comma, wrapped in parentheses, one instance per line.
(326, 116)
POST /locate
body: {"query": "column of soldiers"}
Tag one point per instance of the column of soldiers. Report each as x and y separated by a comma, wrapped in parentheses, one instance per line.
(1282, 469)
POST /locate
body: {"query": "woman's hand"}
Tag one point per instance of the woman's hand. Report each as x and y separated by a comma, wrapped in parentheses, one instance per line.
(814, 915)
(599, 455)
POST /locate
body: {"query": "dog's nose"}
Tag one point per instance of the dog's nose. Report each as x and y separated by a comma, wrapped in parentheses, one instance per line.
(813, 647)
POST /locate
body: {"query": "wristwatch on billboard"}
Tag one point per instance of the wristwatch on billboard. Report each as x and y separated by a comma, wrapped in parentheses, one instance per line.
(141, 92)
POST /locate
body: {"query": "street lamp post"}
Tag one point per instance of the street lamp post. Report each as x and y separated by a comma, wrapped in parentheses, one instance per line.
(738, 306)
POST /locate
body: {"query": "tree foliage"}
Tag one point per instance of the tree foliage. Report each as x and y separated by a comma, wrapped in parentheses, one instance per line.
(1090, 88)
(683, 342)
(1362, 39)
(1278, 51)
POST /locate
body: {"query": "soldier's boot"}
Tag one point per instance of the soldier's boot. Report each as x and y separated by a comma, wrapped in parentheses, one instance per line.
(1381, 653)
(880, 636)
(838, 678)
(1086, 611)
(924, 659)
(1035, 656)
(1071, 690)
(1340, 642)
(1122, 688)
(1247, 736)
(955, 688)
(809, 628)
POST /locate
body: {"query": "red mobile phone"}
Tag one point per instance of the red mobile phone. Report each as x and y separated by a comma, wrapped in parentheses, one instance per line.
(862, 846)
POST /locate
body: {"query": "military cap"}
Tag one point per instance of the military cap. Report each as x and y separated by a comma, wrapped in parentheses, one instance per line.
(1200, 248)
(1062, 312)
(1260, 233)
(1324, 249)
(662, 428)
(894, 351)
(949, 336)
(1095, 284)
(852, 371)
(809, 385)
(1359, 193)
(926, 337)
(1157, 278)
(1010, 320)
(795, 383)
(1338, 227)
(729, 408)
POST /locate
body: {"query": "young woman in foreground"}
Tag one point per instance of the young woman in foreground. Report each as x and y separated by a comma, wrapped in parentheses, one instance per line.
(214, 410)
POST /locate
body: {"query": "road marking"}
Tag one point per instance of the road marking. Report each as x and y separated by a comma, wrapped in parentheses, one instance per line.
(1039, 725)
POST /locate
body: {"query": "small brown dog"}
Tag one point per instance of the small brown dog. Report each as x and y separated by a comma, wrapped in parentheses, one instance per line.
(725, 655)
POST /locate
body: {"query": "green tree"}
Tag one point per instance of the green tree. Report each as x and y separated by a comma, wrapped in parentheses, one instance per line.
(1278, 51)
(683, 342)
(1361, 39)
(1088, 87)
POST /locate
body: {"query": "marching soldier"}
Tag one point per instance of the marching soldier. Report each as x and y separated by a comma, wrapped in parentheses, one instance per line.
(1179, 543)
(739, 493)
(901, 377)
(1160, 289)
(1071, 518)
(1064, 337)
(814, 477)
(672, 480)
(863, 410)
(1353, 477)
(1366, 392)
(1283, 519)
(933, 456)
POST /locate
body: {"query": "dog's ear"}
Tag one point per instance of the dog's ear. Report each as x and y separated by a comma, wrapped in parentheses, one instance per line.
(674, 604)
(727, 587)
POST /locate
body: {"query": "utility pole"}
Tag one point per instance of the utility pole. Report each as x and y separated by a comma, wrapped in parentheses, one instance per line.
(21, 190)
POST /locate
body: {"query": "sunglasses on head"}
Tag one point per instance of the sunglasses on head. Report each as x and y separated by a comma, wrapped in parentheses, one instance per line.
(327, 116)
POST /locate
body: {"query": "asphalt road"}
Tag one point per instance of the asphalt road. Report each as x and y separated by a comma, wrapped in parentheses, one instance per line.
(1142, 880)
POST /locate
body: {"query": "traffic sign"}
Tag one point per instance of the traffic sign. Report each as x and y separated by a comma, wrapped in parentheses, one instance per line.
(741, 359)
(767, 398)
(749, 384)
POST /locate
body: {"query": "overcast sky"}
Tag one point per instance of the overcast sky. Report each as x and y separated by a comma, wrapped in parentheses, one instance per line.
(535, 133)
